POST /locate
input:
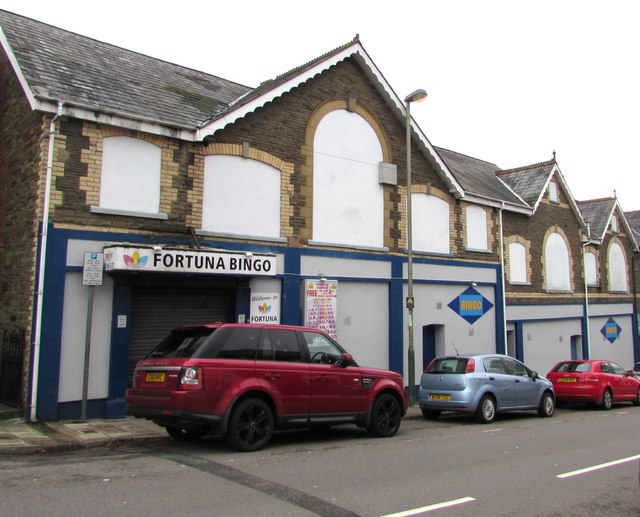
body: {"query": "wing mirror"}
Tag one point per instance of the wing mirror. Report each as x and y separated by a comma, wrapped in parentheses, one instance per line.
(346, 360)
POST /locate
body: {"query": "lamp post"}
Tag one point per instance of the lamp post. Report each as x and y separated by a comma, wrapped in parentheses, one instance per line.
(416, 96)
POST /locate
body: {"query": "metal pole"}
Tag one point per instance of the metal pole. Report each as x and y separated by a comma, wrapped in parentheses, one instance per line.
(87, 355)
(410, 300)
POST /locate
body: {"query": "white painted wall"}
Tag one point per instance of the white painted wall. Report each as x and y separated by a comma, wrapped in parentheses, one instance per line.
(130, 177)
(430, 223)
(431, 308)
(348, 203)
(557, 263)
(547, 342)
(74, 325)
(241, 196)
(517, 262)
(590, 268)
(617, 269)
(363, 322)
(621, 350)
(476, 228)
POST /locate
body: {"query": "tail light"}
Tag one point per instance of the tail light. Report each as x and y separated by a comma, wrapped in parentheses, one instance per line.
(471, 366)
(191, 378)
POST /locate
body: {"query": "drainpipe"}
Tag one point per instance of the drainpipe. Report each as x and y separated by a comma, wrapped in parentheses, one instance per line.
(37, 332)
(587, 346)
(502, 275)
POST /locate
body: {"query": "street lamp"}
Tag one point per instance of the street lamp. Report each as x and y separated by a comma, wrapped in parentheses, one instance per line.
(417, 96)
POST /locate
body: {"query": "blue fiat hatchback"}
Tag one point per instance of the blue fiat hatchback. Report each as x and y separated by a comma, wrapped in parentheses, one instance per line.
(483, 385)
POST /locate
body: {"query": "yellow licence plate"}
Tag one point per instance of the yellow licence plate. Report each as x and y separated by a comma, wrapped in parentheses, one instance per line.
(567, 379)
(439, 396)
(155, 377)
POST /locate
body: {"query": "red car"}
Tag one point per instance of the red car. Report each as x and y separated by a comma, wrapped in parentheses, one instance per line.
(601, 382)
(243, 381)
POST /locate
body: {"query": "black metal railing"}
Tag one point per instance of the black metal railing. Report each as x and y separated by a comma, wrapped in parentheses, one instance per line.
(11, 359)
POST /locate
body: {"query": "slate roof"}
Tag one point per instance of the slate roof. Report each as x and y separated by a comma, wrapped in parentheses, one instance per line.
(597, 212)
(59, 65)
(633, 218)
(478, 177)
(529, 182)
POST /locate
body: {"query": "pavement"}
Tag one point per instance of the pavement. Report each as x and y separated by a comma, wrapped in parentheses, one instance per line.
(18, 437)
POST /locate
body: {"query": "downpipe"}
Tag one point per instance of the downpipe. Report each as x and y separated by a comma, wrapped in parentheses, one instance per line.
(37, 332)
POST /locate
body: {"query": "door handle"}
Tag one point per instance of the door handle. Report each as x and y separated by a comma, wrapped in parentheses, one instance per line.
(273, 376)
(516, 380)
(492, 378)
(322, 378)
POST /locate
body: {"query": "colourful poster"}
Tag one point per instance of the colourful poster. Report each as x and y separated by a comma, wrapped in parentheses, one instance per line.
(321, 297)
(265, 308)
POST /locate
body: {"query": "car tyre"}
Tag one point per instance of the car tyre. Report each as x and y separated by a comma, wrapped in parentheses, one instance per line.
(386, 415)
(430, 414)
(606, 402)
(486, 412)
(181, 434)
(250, 426)
(636, 401)
(547, 405)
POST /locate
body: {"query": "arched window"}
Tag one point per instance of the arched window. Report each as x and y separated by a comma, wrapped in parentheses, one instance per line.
(590, 268)
(240, 196)
(557, 263)
(617, 269)
(430, 223)
(476, 228)
(517, 263)
(348, 201)
(130, 179)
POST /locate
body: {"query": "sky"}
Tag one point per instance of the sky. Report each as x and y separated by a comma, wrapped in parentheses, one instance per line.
(508, 81)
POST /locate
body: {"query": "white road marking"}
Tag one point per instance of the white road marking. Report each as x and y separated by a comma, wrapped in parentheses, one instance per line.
(598, 467)
(425, 509)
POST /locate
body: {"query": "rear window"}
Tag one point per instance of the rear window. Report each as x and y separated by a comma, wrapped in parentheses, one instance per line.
(181, 343)
(573, 367)
(448, 365)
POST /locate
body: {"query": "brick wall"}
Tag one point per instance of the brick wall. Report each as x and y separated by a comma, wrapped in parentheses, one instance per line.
(22, 155)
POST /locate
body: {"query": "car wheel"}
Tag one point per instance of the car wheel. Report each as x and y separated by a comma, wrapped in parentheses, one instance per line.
(486, 412)
(636, 401)
(386, 416)
(430, 413)
(184, 435)
(250, 425)
(547, 405)
(606, 402)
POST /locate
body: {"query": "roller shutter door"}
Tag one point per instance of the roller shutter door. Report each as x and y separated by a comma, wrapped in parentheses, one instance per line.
(156, 310)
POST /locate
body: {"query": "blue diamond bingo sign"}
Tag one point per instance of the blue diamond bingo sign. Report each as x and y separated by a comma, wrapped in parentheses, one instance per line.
(611, 330)
(470, 305)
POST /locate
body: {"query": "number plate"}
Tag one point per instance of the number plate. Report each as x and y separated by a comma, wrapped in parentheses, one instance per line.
(155, 377)
(567, 379)
(439, 396)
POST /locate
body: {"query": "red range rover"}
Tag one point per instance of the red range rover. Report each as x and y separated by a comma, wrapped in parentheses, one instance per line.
(243, 381)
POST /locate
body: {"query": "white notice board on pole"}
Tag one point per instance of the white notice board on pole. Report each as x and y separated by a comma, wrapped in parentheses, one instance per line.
(92, 268)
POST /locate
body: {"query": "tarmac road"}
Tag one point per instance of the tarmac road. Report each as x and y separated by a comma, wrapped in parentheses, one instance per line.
(520, 465)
